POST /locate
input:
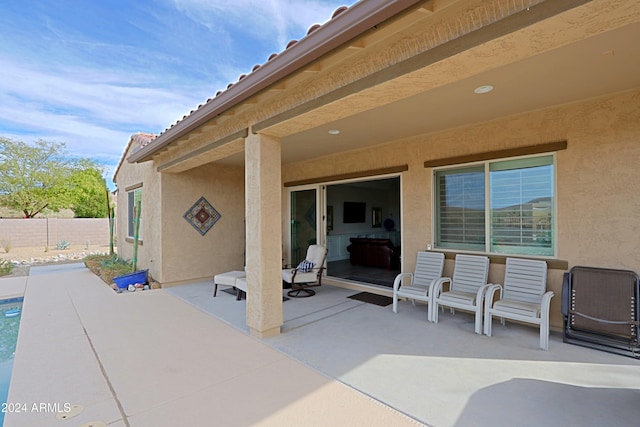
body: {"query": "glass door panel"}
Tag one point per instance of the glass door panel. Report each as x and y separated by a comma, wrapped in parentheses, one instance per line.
(303, 223)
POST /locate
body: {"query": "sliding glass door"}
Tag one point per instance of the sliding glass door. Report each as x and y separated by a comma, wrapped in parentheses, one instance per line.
(331, 214)
(305, 222)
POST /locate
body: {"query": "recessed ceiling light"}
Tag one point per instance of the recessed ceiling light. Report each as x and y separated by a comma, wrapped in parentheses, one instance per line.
(483, 89)
(334, 131)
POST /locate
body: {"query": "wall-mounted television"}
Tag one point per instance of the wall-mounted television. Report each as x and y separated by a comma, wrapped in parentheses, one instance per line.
(354, 212)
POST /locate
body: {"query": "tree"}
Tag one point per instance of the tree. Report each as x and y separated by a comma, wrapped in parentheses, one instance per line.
(40, 176)
(33, 178)
(88, 189)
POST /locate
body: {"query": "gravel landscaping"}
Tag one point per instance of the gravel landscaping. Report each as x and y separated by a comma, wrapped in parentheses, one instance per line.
(24, 258)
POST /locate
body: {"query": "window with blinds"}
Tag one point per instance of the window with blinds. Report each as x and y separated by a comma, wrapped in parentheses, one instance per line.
(504, 207)
(460, 208)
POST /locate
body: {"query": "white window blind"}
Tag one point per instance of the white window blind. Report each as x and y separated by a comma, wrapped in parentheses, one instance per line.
(460, 208)
(518, 211)
(522, 206)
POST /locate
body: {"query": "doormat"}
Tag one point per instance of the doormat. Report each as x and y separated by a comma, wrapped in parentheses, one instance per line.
(370, 298)
(232, 291)
(387, 283)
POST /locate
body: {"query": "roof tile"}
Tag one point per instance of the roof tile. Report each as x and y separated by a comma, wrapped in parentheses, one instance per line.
(311, 29)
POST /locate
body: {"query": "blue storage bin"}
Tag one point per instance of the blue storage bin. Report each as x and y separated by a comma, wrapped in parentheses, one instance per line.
(125, 280)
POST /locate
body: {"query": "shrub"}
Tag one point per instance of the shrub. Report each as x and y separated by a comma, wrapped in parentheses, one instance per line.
(6, 267)
(92, 262)
(62, 244)
(107, 266)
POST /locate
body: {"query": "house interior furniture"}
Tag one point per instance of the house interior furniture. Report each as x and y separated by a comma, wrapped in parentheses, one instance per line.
(370, 252)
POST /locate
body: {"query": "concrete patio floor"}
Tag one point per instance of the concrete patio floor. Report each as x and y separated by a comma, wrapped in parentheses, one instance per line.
(178, 357)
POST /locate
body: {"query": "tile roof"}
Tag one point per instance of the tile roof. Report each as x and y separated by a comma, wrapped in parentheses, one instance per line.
(311, 29)
(142, 138)
(345, 24)
(137, 141)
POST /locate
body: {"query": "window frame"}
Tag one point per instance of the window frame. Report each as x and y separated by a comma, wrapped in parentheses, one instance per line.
(130, 206)
(486, 164)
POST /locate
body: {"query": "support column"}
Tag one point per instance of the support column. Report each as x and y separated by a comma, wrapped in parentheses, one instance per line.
(263, 190)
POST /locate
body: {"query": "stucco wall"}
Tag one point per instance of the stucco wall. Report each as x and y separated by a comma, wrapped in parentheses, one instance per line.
(171, 248)
(149, 250)
(597, 199)
(186, 254)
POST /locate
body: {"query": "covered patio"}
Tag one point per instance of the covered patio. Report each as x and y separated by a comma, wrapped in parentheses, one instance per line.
(444, 374)
(423, 93)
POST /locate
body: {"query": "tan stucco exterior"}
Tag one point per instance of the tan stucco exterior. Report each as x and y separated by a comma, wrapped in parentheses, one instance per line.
(597, 203)
(172, 250)
(129, 178)
(423, 65)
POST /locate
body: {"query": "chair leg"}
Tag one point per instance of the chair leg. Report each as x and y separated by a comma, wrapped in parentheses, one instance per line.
(488, 320)
(479, 320)
(544, 335)
(301, 292)
(395, 303)
(215, 289)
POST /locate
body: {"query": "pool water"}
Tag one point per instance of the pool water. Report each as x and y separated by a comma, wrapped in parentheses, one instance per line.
(10, 314)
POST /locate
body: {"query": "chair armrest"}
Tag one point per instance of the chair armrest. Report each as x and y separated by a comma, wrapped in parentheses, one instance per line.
(545, 304)
(490, 292)
(398, 280)
(436, 287)
(481, 294)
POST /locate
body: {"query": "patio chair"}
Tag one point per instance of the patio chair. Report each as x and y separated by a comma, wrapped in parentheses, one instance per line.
(466, 288)
(523, 297)
(429, 267)
(307, 274)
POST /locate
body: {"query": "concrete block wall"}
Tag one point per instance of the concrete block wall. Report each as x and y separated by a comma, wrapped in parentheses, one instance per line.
(41, 232)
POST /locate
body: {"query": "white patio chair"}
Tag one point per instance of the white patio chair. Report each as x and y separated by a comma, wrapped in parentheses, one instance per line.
(307, 274)
(523, 297)
(415, 286)
(466, 288)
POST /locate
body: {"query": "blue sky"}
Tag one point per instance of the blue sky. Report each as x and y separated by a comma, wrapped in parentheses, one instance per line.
(91, 73)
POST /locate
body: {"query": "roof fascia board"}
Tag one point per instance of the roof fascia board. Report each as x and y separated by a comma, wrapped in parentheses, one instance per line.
(502, 27)
(211, 146)
(350, 24)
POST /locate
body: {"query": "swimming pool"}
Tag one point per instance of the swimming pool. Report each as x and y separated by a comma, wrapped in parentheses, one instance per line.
(10, 314)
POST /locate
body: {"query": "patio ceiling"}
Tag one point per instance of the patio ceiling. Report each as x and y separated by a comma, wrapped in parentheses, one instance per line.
(559, 52)
(600, 65)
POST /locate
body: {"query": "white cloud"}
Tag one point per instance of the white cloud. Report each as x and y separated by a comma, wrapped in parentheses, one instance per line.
(261, 19)
(117, 97)
(93, 111)
(92, 86)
